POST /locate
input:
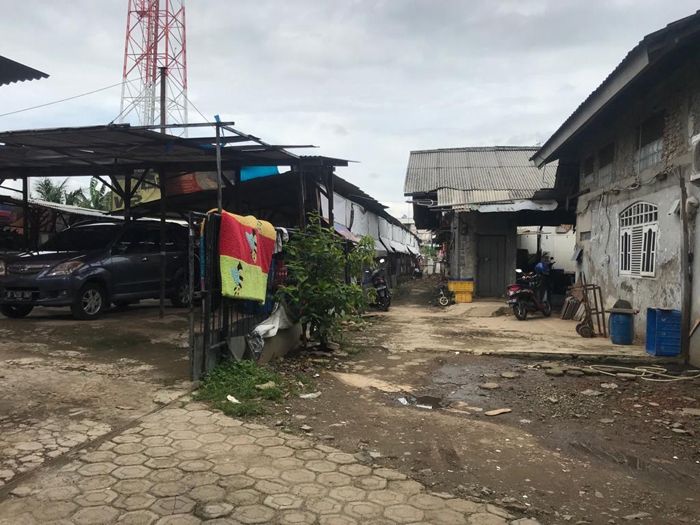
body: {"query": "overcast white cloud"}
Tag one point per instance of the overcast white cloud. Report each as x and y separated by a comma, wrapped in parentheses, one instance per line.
(364, 80)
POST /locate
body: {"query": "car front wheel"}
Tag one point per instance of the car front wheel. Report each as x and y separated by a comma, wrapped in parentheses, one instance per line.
(90, 302)
(16, 311)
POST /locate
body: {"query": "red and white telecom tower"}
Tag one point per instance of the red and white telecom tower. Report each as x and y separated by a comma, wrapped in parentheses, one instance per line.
(155, 63)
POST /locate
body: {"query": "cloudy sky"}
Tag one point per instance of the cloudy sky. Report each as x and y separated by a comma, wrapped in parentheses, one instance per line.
(367, 80)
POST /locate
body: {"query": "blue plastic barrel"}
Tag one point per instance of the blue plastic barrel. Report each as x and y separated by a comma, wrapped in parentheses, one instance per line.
(622, 328)
(663, 332)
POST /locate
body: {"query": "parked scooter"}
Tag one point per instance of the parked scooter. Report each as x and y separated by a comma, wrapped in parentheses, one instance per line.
(383, 294)
(523, 296)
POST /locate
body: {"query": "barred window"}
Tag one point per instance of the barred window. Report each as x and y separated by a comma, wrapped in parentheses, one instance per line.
(639, 228)
(651, 142)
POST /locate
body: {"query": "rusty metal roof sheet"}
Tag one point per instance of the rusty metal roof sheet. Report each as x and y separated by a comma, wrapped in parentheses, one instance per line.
(477, 168)
(11, 71)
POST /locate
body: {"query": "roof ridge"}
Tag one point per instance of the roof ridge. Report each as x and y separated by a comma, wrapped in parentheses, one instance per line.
(478, 148)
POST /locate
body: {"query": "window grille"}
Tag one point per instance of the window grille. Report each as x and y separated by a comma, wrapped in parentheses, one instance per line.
(639, 227)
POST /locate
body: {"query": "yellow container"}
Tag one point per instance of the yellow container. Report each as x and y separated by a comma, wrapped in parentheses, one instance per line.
(461, 286)
(463, 297)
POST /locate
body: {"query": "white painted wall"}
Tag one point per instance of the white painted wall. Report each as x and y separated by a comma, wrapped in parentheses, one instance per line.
(557, 245)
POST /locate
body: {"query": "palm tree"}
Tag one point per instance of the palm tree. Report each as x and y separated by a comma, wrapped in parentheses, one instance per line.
(97, 197)
(50, 191)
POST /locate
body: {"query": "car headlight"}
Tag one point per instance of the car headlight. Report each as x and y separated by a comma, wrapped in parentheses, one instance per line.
(65, 268)
(3, 270)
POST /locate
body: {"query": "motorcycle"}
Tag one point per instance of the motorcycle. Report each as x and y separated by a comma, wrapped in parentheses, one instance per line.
(382, 292)
(445, 296)
(523, 297)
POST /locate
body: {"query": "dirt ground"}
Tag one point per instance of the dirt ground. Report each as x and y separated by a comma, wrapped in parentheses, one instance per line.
(572, 449)
(579, 449)
(65, 382)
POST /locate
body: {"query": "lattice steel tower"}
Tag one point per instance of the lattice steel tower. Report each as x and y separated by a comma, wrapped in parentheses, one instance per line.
(155, 51)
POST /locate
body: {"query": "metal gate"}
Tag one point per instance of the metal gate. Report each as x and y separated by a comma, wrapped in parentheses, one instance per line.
(217, 325)
(491, 266)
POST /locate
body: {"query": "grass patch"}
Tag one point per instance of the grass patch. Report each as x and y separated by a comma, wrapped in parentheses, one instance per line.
(238, 378)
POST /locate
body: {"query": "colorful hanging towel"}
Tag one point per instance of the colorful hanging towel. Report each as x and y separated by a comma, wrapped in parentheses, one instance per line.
(245, 254)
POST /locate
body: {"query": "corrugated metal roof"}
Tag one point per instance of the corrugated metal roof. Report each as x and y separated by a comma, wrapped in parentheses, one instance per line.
(450, 197)
(477, 168)
(11, 71)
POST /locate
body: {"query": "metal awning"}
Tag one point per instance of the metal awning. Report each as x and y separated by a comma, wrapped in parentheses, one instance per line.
(11, 71)
(399, 247)
(344, 232)
(121, 148)
(379, 248)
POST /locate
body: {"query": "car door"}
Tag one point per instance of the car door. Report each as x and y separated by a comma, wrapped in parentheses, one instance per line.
(135, 264)
(177, 245)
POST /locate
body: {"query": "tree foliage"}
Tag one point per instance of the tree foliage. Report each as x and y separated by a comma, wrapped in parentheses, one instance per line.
(96, 196)
(50, 191)
(317, 260)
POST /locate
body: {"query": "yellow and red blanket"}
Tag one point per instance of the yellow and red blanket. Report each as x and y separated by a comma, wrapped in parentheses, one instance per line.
(245, 255)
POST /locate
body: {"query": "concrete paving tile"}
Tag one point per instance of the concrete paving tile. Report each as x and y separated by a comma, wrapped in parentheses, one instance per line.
(129, 459)
(207, 493)
(173, 505)
(206, 466)
(213, 510)
(139, 517)
(134, 502)
(244, 497)
(254, 514)
(96, 498)
(95, 515)
(52, 510)
(403, 513)
(132, 486)
(483, 518)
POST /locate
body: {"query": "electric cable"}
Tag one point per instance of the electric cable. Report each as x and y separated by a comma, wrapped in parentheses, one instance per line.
(62, 100)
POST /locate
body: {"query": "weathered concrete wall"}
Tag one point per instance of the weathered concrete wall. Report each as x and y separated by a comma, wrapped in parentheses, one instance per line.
(678, 97)
(466, 228)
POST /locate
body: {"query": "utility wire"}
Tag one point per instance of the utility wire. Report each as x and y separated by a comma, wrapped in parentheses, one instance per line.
(61, 100)
(195, 108)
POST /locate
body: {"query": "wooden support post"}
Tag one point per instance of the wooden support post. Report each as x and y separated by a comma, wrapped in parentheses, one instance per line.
(686, 284)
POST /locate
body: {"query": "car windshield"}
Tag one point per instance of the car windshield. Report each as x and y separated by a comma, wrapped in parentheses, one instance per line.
(82, 238)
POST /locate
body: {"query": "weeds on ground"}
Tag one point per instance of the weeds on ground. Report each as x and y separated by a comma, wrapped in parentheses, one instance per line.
(238, 379)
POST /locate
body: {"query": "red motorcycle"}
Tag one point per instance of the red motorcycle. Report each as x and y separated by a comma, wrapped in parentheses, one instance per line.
(523, 297)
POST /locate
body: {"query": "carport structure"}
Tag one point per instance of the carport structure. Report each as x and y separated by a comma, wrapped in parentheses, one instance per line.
(125, 158)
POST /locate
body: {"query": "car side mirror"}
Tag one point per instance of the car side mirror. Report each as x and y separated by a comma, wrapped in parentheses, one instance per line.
(119, 248)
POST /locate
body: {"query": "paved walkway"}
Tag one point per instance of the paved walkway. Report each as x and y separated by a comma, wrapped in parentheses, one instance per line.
(192, 465)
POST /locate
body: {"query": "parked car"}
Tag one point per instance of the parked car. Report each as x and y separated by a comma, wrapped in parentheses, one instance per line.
(91, 265)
